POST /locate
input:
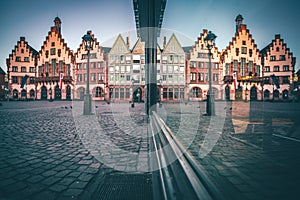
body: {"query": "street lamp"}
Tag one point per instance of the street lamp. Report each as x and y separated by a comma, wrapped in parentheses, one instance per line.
(132, 101)
(51, 91)
(246, 91)
(88, 43)
(160, 99)
(210, 101)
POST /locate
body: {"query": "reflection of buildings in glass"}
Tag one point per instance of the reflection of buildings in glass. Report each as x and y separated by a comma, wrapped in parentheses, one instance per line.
(126, 65)
(97, 70)
(199, 67)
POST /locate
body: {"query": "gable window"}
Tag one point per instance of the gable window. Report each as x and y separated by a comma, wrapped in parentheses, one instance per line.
(276, 69)
(244, 42)
(282, 57)
(267, 68)
(250, 52)
(14, 68)
(22, 50)
(244, 50)
(52, 51)
(18, 59)
(59, 52)
(273, 58)
(277, 49)
(26, 59)
(52, 44)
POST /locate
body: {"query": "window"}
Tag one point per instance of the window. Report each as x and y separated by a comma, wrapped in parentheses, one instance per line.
(31, 80)
(99, 64)
(181, 59)
(165, 93)
(98, 92)
(32, 93)
(22, 50)
(68, 70)
(93, 55)
(14, 68)
(243, 63)
(250, 52)
(235, 65)
(215, 77)
(244, 42)
(200, 76)
(272, 58)
(257, 70)
(53, 67)
(23, 69)
(127, 68)
(127, 95)
(52, 51)
(277, 49)
(250, 66)
(282, 57)
(93, 77)
(193, 64)
(121, 93)
(31, 69)
(196, 92)
(285, 68)
(276, 69)
(53, 44)
(200, 55)
(116, 92)
(100, 77)
(267, 68)
(244, 50)
(170, 93)
(41, 71)
(84, 79)
(266, 80)
(47, 67)
(14, 79)
(227, 69)
(79, 77)
(59, 52)
(170, 58)
(164, 77)
(26, 59)
(128, 78)
(79, 66)
(47, 53)
(61, 66)
(18, 59)
(237, 51)
(201, 65)
(216, 66)
(176, 59)
(170, 68)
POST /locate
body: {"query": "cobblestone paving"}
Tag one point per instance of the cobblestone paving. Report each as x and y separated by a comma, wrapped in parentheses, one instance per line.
(43, 157)
(244, 168)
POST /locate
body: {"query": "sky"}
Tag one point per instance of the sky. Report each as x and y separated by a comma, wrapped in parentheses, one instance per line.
(186, 18)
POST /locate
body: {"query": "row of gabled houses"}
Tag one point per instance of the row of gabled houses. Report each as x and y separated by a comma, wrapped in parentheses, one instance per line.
(240, 72)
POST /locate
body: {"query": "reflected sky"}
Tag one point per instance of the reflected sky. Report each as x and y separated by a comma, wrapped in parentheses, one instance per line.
(108, 18)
